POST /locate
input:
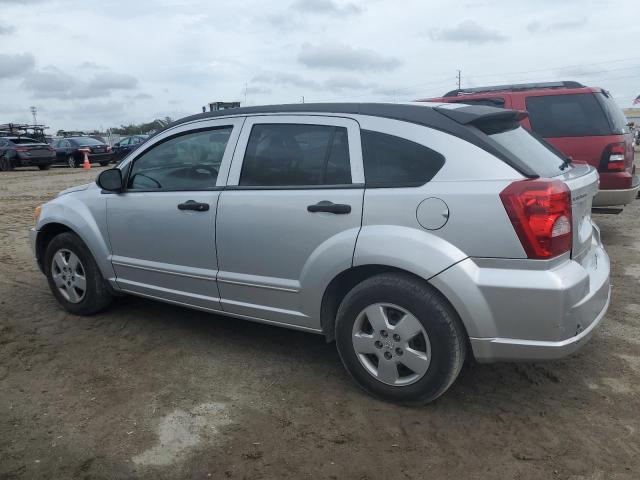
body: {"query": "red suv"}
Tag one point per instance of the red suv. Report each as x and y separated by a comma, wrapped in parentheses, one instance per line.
(584, 123)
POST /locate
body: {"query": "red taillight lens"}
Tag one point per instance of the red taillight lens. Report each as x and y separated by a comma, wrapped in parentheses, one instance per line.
(22, 149)
(109, 149)
(614, 157)
(540, 212)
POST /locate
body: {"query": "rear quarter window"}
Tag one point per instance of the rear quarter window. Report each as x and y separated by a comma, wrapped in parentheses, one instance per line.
(535, 153)
(616, 118)
(391, 161)
(571, 115)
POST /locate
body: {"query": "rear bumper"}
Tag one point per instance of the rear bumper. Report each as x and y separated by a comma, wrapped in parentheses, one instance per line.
(510, 349)
(100, 157)
(35, 161)
(526, 309)
(605, 198)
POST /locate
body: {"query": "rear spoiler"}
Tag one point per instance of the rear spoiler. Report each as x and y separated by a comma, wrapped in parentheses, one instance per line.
(487, 119)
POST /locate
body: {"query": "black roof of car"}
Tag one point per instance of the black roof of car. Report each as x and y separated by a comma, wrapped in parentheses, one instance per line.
(513, 87)
(455, 121)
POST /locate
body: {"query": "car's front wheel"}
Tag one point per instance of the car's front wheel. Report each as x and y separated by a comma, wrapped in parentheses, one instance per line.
(400, 339)
(71, 161)
(74, 277)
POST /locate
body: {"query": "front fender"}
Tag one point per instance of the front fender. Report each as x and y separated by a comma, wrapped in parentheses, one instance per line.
(87, 218)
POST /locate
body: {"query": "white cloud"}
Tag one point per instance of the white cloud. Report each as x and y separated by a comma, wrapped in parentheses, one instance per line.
(14, 65)
(470, 32)
(345, 57)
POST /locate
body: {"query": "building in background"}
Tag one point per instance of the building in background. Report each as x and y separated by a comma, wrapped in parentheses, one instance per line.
(215, 106)
(633, 115)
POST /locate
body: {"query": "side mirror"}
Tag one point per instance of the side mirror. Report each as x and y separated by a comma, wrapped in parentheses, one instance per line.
(110, 180)
(116, 145)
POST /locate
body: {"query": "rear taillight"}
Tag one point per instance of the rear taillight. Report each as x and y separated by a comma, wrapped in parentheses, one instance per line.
(22, 149)
(109, 149)
(613, 159)
(540, 212)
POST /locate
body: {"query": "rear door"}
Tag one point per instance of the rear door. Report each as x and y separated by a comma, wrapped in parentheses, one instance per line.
(289, 216)
(162, 227)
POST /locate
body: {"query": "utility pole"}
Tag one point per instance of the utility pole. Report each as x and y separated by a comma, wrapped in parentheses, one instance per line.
(34, 110)
(459, 79)
(303, 99)
(245, 94)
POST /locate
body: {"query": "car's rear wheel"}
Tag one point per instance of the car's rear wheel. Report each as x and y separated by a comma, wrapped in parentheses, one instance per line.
(71, 161)
(104, 164)
(44, 167)
(74, 277)
(5, 164)
(400, 339)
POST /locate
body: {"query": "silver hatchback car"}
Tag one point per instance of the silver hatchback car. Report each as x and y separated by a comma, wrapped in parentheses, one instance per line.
(414, 235)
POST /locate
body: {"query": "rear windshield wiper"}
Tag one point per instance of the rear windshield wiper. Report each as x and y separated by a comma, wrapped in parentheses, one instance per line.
(566, 161)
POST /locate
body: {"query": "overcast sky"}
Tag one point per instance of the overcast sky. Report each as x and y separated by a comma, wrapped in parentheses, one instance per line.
(95, 64)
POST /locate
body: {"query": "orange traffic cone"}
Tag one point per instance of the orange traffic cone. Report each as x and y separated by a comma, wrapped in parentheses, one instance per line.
(86, 165)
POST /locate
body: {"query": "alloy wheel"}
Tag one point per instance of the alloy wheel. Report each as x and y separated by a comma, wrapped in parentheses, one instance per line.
(391, 344)
(69, 276)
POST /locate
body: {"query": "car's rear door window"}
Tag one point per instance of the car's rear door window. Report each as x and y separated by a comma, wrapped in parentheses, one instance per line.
(391, 161)
(189, 161)
(571, 115)
(283, 154)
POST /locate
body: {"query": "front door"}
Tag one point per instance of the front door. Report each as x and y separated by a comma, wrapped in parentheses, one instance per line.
(162, 228)
(289, 216)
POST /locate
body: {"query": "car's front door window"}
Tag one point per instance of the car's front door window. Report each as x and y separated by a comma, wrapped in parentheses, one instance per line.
(187, 162)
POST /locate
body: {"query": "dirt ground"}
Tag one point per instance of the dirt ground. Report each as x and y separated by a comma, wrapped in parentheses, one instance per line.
(148, 390)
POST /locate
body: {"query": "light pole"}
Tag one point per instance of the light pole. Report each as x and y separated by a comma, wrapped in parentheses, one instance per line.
(34, 110)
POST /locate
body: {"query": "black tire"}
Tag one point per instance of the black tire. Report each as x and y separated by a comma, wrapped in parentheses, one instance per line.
(72, 162)
(447, 337)
(97, 295)
(104, 164)
(44, 167)
(5, 164)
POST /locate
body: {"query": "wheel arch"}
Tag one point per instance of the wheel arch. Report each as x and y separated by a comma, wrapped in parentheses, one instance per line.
(342, 284)
(45, 235)
(85, 228)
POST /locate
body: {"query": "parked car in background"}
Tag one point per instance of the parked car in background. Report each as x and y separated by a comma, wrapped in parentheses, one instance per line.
(412, 235)
(25, 152)
(128, 144)
(584, 123)
(68, 151)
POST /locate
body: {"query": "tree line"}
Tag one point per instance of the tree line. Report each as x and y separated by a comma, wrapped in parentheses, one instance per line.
(133, 129)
